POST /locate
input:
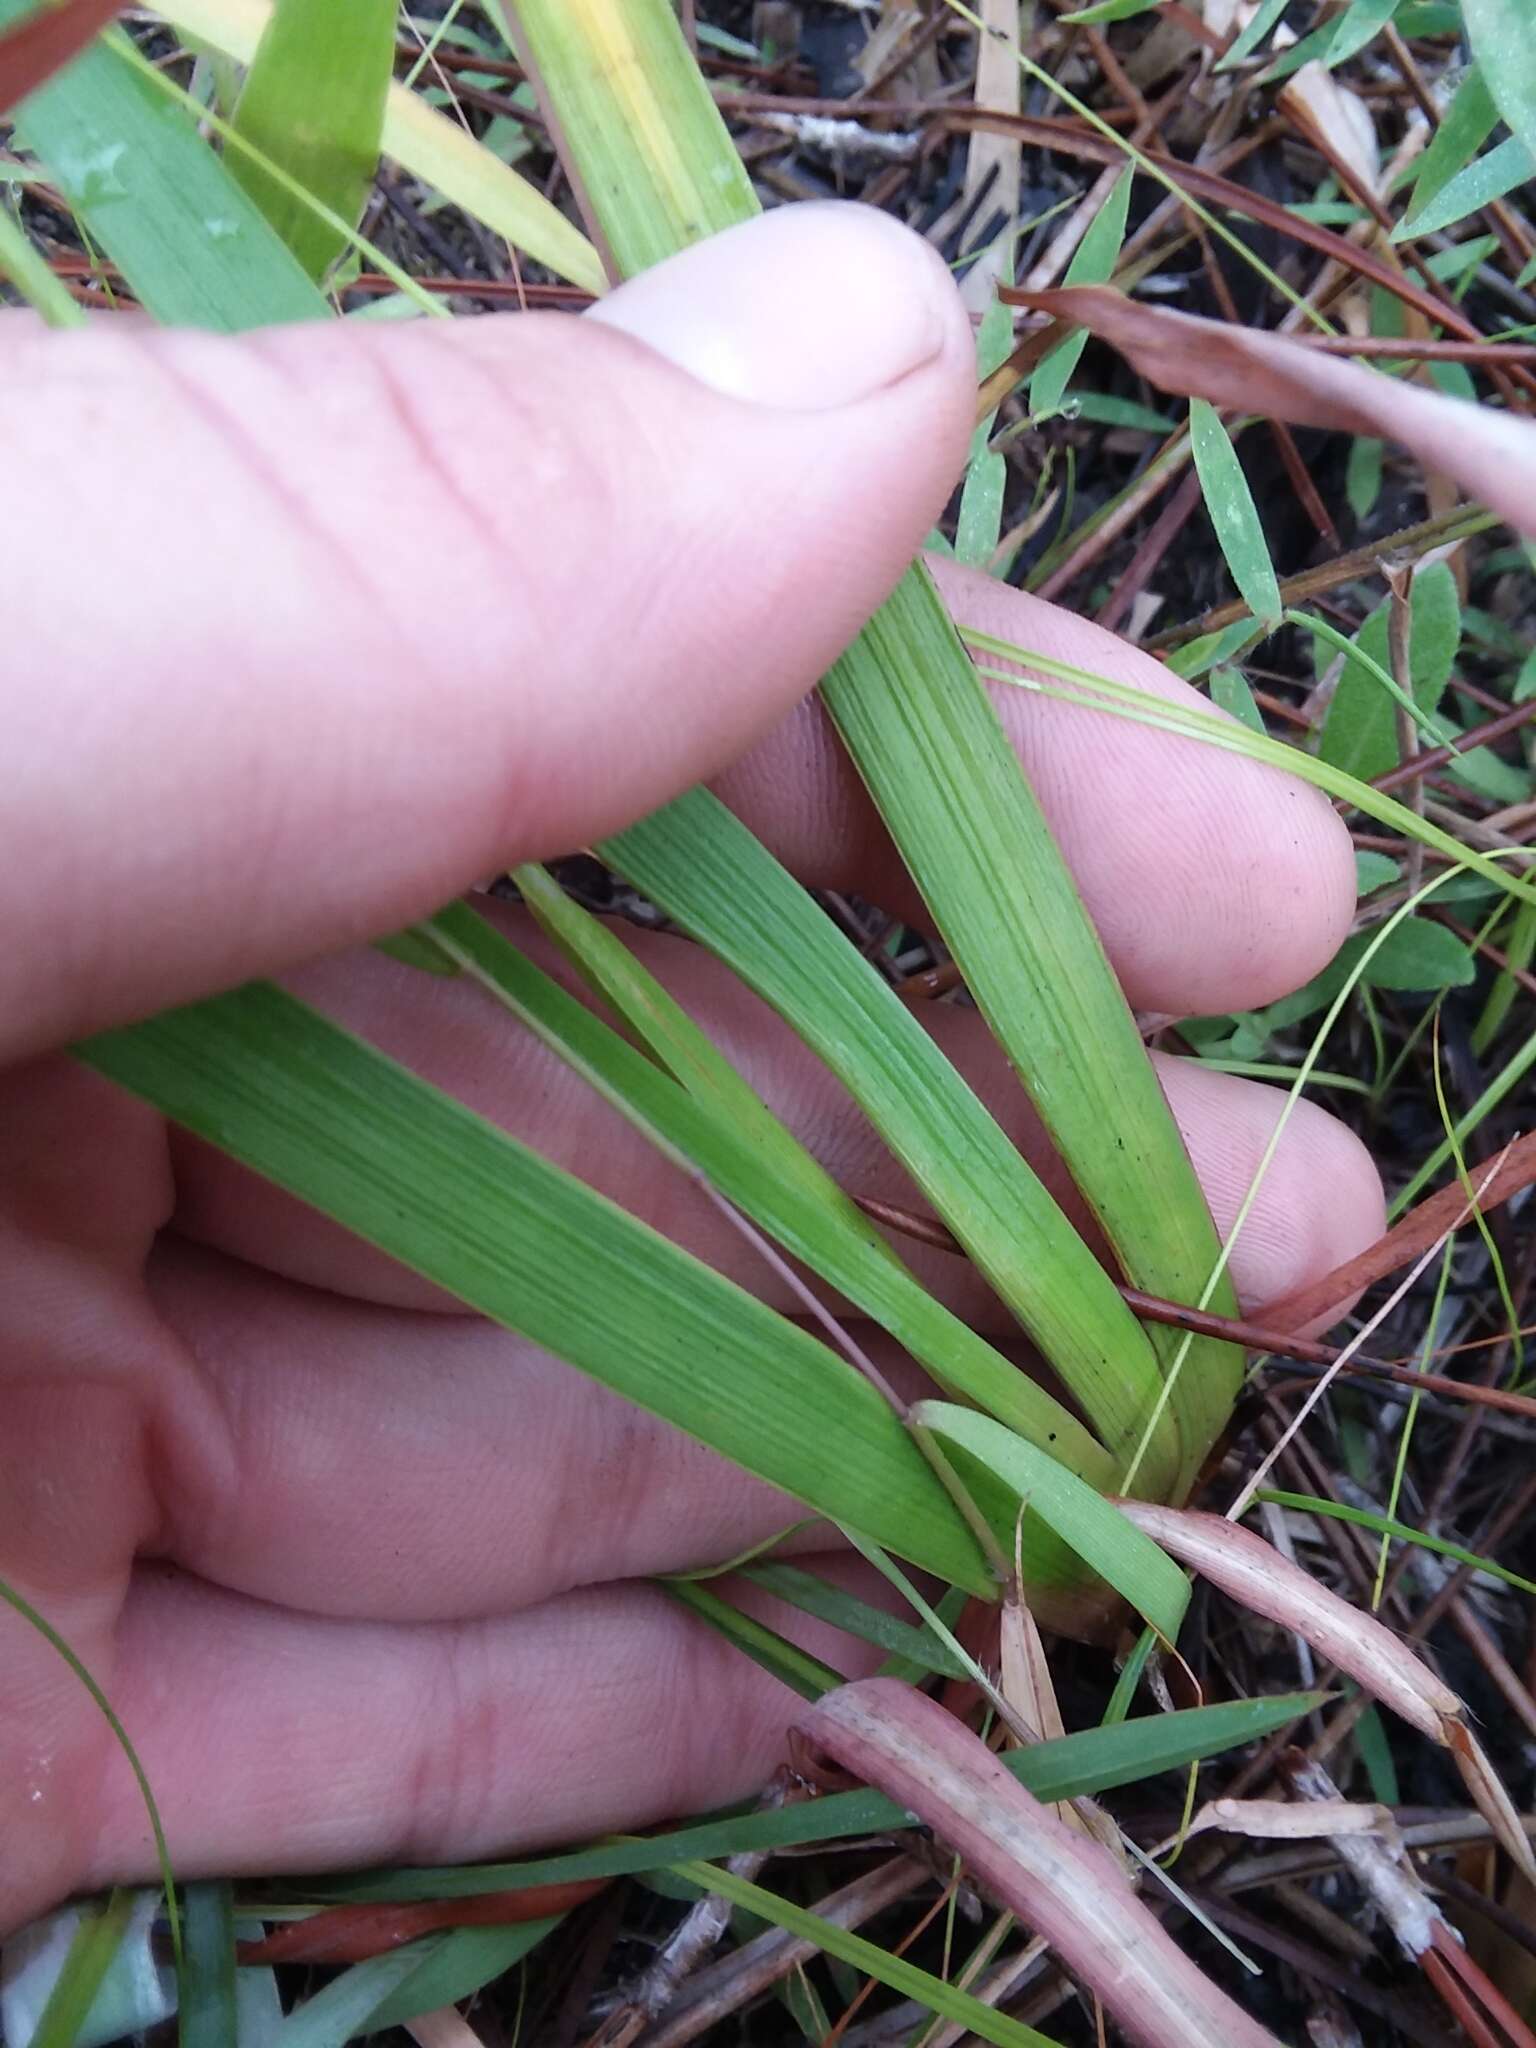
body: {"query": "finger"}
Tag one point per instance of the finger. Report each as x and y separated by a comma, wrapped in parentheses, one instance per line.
(1216, 883)
(495, 1476)
(279, 1741)
(416, 601)
(1319, 1200)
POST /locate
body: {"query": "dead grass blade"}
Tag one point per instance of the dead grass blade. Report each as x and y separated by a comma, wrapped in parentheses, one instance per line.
(1490, 453)
(1256, 1575)
(1070, 1890)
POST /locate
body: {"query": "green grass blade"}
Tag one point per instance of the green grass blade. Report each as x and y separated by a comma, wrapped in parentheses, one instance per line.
(979, 521)
(1093, 262)
(1505, 167)
(786, 1661)
(846, 1611)
(1402, 1532)
(868, 1956)
(195, 249)
(346, 2006)
(1505, 49)
(206, 1990)
(313, 104)
(459, 1965)
(96, 1942)
(429, 146)
(1074, 1766)
(1252, 33)
(335, 1122)
(1465, 126)
(708, 872)
(1234, 515)
(706, 1115)
(21, 261)
(646, 143)
(1119, 1552)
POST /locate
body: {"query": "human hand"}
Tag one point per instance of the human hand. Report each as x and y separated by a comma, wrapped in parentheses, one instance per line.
(308, 631)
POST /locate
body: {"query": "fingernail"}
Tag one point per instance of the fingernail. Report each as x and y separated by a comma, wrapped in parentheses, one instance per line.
(807, 308)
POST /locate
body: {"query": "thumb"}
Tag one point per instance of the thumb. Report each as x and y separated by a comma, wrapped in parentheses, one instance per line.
(310, 628)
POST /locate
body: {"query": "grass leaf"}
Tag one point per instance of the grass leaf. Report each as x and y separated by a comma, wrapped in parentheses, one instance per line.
(1234, 515)
(301, 1101)
(704, 1114)
(1079, 1765)
(1093, 262)
(195, 249)
(313, 105)
(1505, 49)
(428, 145)
(96, 1942)
(1403, 1532)
(643, 137)
(707, 871)
(1100, 1534)
(775, 1653)
(206, 1988)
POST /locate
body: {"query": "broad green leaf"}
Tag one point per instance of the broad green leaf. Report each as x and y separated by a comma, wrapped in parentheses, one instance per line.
(146, 187)
(1199, 656)
(1505, 49)
(1417, 955)
(1360, 22)
(313, 105)
(657, 168)
(1403, 1532)
(1093, 262)
(1239, 533)
(712, 877)
(940, 1997)
(433, 148)
(1374, 871)
(1090, 1761)
(1508, 165)
(703, 1112)
(1362, 475)
(1360, 727)
(1230, 691)
(1094, 1527)
(784, 1660)
(206, 1992)
(336, 1123)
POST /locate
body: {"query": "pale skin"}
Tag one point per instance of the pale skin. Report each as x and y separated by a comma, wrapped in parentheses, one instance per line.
(306, 633)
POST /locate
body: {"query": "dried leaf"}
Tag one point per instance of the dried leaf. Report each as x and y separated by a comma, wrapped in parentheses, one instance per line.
(1069, 1890)
(1491, 454)
(1254, 1573)
(1338, 117)
(1278, 1820)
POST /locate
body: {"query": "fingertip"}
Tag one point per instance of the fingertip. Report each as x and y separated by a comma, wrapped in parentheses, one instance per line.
(1248, 871)
(1319, 1199)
